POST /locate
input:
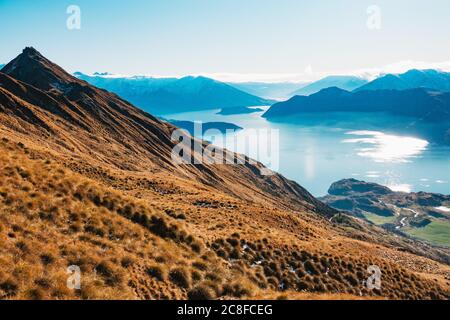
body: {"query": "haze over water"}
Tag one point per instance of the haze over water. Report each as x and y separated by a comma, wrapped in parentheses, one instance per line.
(318, 150)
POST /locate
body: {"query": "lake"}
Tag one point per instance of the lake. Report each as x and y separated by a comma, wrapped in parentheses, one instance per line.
(316, 150)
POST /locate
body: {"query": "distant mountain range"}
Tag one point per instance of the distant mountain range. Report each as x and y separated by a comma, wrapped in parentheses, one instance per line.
(348, 83)
(172, 95)
(414, 102)
(431, 108)
(429, 79)
(274, 91)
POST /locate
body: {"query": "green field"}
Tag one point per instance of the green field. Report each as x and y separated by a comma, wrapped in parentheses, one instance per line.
(379, 220)
(437, 232)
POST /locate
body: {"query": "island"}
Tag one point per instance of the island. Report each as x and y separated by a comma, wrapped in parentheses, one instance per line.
(239, 110)
(189, 126)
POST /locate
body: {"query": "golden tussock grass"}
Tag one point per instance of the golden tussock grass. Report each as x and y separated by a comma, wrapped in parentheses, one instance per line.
(138, 244)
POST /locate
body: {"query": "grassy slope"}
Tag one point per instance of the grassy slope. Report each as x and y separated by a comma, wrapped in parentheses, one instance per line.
(144, 242)
(437, 232)
(377, 219)
(51, 218)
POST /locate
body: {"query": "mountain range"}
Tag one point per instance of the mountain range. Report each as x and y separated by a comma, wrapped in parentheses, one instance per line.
(429, 112)
(87, 181)
(412, 79)
(272, 91)
(348, 83)
(172, 95)
(418, 103)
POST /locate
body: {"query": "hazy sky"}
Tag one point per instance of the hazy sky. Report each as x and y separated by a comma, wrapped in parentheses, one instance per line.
(238, 39)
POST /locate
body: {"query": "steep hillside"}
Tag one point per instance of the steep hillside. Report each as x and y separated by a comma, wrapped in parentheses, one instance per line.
(86, 179)
(77, 119)
(171, 95)
(148, 239)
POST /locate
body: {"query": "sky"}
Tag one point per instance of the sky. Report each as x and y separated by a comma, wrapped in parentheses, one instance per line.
(232, 40)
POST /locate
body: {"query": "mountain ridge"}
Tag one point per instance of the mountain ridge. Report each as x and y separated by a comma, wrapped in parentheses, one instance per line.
(426, 113)
(95, 110)
(414, 78)
(334, 99)
(172, 95)
(343, 82)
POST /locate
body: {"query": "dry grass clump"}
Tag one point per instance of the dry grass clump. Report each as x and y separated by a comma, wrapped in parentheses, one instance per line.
(181, 277)
(157, 272)
(238, 289)
(8, 287)
(201, 292)
(112, 275)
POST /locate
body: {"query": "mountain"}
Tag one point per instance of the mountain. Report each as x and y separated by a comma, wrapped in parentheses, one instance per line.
(104, 120)
(415, 103)
(87, 181)
(171, 95)
(272, 91)
(348, 83)
(429, 79)
(428, 113)
(1, 66)
(422, 215)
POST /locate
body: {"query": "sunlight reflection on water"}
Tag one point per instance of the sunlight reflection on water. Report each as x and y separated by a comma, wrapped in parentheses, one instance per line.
(382, 147)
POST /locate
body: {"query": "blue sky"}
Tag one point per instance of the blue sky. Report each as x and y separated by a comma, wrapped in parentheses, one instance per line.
(254, 39)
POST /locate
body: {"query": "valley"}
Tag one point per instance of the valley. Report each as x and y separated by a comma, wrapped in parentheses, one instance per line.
(422, 215)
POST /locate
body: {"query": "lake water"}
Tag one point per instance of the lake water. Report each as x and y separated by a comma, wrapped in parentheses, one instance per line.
(319, 149)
